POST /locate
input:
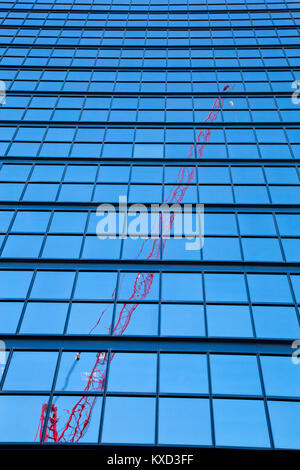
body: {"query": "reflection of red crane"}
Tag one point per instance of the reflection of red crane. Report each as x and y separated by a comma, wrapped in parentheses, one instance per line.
(79, 416)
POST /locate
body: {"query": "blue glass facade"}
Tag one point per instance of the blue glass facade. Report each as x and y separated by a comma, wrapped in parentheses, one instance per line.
(131, 341)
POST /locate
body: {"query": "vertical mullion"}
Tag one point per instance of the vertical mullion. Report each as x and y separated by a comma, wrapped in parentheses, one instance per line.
(211, 407)
(50, 398)
(102, 415)
(265, 402)
(156, 432)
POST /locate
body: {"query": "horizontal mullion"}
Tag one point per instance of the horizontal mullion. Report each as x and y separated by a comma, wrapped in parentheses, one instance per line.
(232, 206)
(150, 11)
(156, 47)
(150, 264)
(153, 28)
(152, 162)
(85, 206)
(155, 161)
(151, 69)
(197, 94)
(204, 125)
(150, 344)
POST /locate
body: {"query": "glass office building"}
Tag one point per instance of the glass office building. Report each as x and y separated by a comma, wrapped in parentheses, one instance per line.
(139, 340)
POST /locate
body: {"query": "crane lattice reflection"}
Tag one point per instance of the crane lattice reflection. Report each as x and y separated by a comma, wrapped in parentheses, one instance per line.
(79, 416)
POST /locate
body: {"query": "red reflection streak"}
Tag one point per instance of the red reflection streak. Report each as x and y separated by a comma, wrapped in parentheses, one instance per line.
(80, 414)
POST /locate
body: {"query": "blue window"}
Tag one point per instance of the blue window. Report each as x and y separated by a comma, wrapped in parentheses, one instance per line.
(44, 318)
(221, 249)
(10, 315)
(31, 371)
(289, 224)
(90, 319)
(27, 246)
(235, 375)
(52, 285)
(225, 287)
(5, 220)
(261, 249)
(129, 420)
(284, 417)
(182, 320)
(143, 319)
(182, 287)
(14, 172)
(132, 372)
(256, 224)
(75, 192)
(296, 286)
(276, 322)
(31, 221)
(184, 421)
(14, 284)
(13, 429)
(229, 320)
(68, 410)
(62, 246)
(183, 373)
(11, 191)
(68, 222)
(47, 173)
(269, 288)
(281, 376)
(138, 286)
(240, 423)
(220, 224)
(40, 192)
(74, 375)
(113, 174)
(95, 285)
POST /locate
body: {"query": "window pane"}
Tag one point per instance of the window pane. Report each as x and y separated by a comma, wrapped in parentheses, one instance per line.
(129, 420)
(86, 373)
(90, 319)
(132, 373)
(184, 421)
(95, 285)
(44, 318)
(182, 320)
(31, 371)
(236, 375)
(225, 287)
(143, 319)
(229, 320)
(34, 221)
(284, 418)
(183, 373)
(276, 322)
(240, 423)
(52, 285)
(14, 429)
(78, 419)
(14, 284)
(9, 316)
(281, 376)
(269, 288)
(183, 286)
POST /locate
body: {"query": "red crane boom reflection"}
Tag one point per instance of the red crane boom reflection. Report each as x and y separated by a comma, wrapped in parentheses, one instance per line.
(79, 416)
